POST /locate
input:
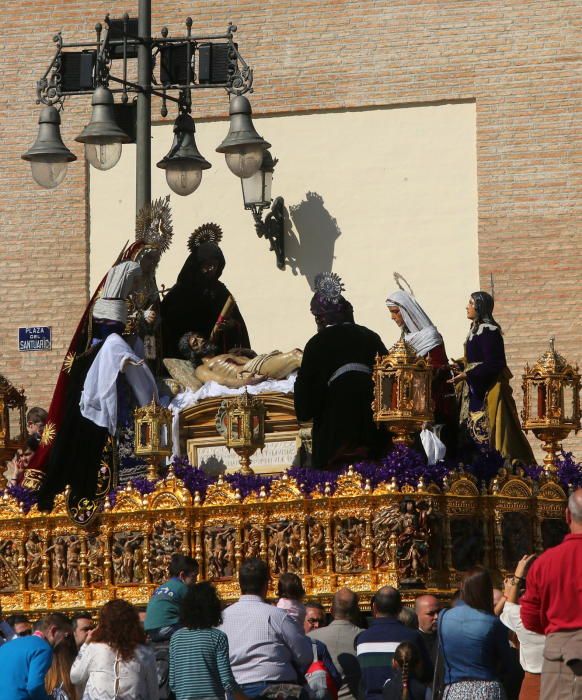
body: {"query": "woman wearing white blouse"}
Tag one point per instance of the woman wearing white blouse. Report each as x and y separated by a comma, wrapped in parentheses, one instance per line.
(531, 644)
(114, 663)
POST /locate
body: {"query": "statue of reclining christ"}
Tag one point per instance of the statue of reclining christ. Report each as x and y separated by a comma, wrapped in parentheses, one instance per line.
(237, 368)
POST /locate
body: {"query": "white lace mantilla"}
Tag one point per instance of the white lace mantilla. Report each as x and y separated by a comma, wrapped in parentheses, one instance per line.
(482, 327)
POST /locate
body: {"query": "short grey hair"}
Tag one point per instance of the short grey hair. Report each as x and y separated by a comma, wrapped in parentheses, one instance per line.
(575, 506)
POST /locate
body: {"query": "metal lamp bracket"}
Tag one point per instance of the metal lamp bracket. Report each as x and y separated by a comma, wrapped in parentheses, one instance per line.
(50, 90)
(273, 229)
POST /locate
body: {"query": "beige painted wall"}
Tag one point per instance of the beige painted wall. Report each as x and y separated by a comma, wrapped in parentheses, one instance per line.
(368, 193)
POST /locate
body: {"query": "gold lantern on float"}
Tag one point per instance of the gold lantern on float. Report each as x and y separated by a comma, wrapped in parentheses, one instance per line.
(12, 423)
(551, 403)
(402, 392)
(153, 435)
(244, 420)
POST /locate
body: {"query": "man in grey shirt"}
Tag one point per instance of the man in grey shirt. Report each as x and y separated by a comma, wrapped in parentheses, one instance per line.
(266, 646)
(339, 637)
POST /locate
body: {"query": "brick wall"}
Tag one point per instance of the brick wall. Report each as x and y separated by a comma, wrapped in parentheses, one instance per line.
(517, 60)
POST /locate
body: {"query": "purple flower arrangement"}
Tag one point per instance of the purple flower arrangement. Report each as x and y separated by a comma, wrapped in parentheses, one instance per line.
(403, 465)
(26, 497)
(194, 479)
(569, 471)
(143, 485)
(248, 483)
(313, 481)
(406, 466)
(485, 466)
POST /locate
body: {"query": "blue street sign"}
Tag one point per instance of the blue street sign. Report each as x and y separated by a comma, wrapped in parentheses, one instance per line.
(34, 338)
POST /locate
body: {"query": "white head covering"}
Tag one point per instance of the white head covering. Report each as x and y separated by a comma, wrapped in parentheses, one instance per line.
(112, 304)
(420, 331)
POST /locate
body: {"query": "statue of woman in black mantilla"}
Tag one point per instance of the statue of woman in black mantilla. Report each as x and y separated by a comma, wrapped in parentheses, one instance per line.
(199, 302)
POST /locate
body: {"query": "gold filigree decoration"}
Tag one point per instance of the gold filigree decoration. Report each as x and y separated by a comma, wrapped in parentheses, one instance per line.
(402, 392)
(386, 487)
(552, 492)
(128, 501)
(463, 486)
(339, 539)
(48, 434)
(550, 362)
(68, 363)
(9, 507)
(10, 395)
(68, 599)
(60, 506)
(220, 493)
(284, 489)
(516, 488)
(350, 484)
(153, 224)
(168, 500)
(207, 233)
(100, 596)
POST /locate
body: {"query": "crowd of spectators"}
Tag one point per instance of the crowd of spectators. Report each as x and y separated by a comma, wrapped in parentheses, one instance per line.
(523, 642)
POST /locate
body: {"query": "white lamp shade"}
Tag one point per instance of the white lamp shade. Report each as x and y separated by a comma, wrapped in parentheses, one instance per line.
(257, 189)
(48, 173)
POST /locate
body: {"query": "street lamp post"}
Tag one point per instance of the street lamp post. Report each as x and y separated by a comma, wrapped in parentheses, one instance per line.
(143, 132)
(185, 63)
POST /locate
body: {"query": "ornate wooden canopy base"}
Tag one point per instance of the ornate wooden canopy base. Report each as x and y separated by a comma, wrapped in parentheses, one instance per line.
(418, 538)
(287, 441)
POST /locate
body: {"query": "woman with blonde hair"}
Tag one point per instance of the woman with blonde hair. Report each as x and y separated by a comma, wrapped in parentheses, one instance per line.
(57, 681)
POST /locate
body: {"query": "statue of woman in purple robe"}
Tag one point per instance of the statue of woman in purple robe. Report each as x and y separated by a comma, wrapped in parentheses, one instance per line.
(487, 408)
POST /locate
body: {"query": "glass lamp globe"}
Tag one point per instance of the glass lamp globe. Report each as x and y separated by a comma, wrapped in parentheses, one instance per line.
(48, 173)
(103, 156)
(245, 160)
(183, 178)
(257, 189)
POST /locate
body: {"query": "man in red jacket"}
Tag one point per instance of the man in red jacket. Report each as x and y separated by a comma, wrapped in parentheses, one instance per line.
(552, 605)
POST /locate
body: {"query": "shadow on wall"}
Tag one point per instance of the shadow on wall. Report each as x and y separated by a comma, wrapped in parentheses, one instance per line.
(311, 235)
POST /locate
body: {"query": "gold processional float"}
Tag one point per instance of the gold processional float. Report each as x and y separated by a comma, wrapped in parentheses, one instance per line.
(417, 536)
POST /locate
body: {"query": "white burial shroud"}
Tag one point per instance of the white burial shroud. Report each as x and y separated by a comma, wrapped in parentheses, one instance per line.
(99, 398)
(214, 390)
